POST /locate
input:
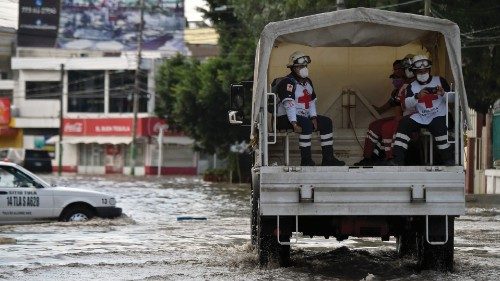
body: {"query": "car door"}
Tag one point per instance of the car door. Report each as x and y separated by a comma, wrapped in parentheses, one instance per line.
(22, 199)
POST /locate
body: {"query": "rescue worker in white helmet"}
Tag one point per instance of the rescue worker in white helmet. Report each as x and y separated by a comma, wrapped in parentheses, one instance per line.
(427, 96)
(297, 110)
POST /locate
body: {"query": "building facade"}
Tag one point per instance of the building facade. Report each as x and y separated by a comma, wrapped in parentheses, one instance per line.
(94, 91)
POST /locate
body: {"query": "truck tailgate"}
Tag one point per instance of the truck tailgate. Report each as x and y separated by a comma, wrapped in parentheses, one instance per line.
(402, 190)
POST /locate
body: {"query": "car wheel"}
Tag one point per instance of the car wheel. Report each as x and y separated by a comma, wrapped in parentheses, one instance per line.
(77, 213)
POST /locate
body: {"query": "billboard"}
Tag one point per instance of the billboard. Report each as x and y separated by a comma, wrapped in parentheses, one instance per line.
(38, 23)
(113, 25)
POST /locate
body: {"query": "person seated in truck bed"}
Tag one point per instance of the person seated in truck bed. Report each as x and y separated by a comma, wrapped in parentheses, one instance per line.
(296, 109)
(379, 138)
(427, 95)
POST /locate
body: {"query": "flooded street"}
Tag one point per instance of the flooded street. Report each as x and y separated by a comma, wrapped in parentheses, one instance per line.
(149, 243)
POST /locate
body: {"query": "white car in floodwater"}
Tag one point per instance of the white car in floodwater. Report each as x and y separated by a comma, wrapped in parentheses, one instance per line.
(24, 197)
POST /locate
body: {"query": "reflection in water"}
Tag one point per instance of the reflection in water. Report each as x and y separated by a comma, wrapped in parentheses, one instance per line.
(149, 243)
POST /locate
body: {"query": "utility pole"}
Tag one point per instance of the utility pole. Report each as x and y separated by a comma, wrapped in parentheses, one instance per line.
(61, 129)
(427, 7)
(137, 90)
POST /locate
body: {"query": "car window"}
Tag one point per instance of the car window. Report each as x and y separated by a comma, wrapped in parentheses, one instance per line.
(6, 178)
(39, 154)
(3, 154)
(11, 177)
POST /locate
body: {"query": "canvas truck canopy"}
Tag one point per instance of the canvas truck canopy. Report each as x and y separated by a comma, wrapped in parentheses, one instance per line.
(356, 45)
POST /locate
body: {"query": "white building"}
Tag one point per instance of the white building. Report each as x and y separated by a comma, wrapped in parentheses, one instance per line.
(96, 124)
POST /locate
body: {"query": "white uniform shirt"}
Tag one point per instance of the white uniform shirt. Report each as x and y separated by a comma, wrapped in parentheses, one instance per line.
(303, 103)
(427, 108)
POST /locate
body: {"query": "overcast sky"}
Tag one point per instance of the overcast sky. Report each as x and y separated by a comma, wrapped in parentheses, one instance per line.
(9, 11)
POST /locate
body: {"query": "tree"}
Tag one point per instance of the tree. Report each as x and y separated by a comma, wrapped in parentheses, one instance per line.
(196, 94)
(170, 75)
(480, 29)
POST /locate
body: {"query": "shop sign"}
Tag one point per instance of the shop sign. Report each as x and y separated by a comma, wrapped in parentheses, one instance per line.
(4, 111)
(111, 127)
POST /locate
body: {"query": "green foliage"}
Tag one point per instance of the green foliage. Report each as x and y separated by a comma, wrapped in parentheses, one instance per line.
(171, 75)
(480, 28)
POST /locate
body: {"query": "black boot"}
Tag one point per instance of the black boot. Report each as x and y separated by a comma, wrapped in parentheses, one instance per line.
(305, 156)
(328, 158)
(365, 162)
(447, 156)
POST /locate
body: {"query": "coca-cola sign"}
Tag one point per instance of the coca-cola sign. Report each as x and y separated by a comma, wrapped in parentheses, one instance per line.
(73, 127)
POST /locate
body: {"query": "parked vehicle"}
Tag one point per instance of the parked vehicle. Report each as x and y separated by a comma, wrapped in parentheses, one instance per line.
(25, 198)
(35, 160)
(352, 52)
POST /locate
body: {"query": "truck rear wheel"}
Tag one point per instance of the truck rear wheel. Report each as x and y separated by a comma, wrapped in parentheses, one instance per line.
(406, 244)
(437, 257)
(270, 249)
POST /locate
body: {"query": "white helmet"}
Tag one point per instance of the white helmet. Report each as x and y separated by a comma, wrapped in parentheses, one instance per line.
(421, 62)
(298, 58)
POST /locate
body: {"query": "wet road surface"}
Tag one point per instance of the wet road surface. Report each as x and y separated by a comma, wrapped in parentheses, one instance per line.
(148, 243)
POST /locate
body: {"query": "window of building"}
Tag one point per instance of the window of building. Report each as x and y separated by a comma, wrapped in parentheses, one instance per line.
(85, 91)
(121, 90)
(6, 94)
(91, 154)
(43, 90)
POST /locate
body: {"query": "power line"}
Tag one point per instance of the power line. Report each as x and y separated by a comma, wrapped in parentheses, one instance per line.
(397, 5)
(481, 30)
(481, 46)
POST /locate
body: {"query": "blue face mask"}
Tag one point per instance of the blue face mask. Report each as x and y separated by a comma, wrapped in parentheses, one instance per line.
(397, 82)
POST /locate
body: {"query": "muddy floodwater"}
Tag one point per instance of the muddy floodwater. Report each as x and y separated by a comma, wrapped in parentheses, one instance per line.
(149, 243)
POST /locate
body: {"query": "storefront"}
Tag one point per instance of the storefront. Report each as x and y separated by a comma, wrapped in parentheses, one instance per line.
(9, 137)
(102, 146)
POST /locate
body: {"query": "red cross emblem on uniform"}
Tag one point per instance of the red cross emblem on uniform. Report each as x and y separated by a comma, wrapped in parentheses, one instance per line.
(305, 99)
(427, 100)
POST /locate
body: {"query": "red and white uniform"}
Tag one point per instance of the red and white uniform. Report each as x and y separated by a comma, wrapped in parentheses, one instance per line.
(430, 106)
(296, 99)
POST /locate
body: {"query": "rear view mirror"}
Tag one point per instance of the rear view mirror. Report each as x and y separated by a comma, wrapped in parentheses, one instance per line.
(239, 106)
(237, 100)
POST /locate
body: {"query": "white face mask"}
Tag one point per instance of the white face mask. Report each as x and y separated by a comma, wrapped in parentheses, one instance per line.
(409, 74)
(423, 77)
(303, 72)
